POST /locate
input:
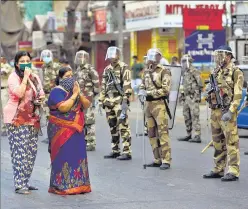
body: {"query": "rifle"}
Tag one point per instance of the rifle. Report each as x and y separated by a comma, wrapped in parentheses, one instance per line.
(116, 84)
(215, 89)
(119, 89)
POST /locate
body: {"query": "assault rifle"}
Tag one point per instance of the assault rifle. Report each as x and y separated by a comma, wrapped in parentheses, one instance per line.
(214, 89)
(116, 84)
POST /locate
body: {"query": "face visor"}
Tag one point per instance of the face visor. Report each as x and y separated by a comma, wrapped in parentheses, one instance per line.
(219, 58)
(153, 56)
(46, 55)
(113, 54)
(82, 57)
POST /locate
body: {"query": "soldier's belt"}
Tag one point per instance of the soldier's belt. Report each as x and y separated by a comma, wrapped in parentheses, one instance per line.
(115, 94)
(150, 98)
(216, 106)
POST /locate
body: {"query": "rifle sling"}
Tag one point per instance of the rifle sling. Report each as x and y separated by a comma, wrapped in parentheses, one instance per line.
(163, 98)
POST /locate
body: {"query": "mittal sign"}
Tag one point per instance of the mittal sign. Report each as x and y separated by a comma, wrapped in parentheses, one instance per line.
(202, 19)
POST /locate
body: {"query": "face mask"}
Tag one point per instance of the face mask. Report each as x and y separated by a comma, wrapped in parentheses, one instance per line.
(23, 66)
(47, 59)
(67, 83)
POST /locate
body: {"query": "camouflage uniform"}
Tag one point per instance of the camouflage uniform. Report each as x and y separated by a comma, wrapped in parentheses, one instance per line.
(88, 80)
(50, 72)
(225, 134)
(111, 100)
(156, 114)
(191, 97)
(6, 69)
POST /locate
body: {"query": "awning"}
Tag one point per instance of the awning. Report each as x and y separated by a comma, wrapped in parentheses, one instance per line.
(11, 20)
(39, 23)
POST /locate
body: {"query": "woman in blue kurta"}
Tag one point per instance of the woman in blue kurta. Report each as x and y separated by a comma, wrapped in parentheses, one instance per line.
(67, 148)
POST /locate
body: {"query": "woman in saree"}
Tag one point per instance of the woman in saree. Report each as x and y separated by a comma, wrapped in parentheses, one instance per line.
(67, 147)
(21, 116)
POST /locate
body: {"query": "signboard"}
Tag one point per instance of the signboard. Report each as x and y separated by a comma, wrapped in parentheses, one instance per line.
(202, 19)
(166, 41)
(240, 21)
(100, 21)
(145, 14)
(24, 46)
(201, 44)
(61, 22)
(171, 12)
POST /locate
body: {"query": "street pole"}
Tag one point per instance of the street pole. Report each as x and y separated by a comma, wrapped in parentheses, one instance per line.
(120, 28)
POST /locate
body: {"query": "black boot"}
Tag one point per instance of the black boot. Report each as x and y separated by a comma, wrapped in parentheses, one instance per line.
(246, 153)
(212, 175)
(112, 155)
(196, 139)
(154, 165)
(185, 139)
(164, 166)
(124, 157)
(229, 177)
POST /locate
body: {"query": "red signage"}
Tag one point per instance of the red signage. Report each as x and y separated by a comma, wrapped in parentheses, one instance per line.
(25, 46)
(202, 19)
(100, 21)
(176, 9)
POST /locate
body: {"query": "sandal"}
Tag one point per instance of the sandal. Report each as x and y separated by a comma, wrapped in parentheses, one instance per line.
(22, 191)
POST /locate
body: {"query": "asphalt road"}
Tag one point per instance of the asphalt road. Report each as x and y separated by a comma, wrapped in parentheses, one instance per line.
(126, 185)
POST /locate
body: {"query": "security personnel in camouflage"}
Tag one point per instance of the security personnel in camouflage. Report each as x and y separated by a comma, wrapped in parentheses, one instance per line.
(225, 137)
(155, 90)
(6, 70)
(88, 80)
(191, 98)
(50, 71)
(114, 98)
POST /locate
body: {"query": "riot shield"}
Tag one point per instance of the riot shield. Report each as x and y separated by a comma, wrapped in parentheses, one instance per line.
(176, 72)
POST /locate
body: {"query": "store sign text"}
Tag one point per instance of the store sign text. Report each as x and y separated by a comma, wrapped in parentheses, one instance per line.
(176, 9)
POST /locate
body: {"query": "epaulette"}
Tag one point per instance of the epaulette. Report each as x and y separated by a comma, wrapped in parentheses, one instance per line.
(56, 65)
(122, 64)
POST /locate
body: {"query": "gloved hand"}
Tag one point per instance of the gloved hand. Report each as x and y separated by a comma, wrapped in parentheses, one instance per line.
(124, 106)
(94, 102)
(198, 96)
(142, 95)
(100, 108)
(123, 115)
(208, 87)
(227, 116)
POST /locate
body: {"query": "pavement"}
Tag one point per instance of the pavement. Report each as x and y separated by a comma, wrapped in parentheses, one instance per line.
(126, 185)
